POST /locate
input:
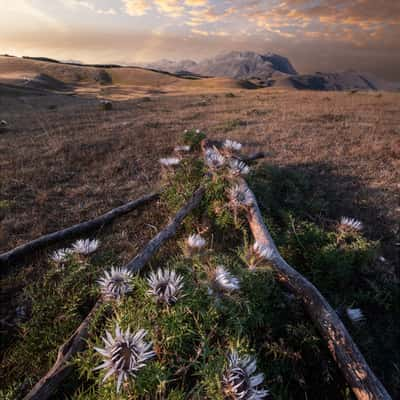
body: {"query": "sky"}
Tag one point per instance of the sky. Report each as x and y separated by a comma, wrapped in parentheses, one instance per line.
(316, 35)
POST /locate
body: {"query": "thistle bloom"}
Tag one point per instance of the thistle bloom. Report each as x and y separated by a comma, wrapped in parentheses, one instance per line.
(182, 149)
(264, 251)
(85, 246)
(169, 161)
(61, 255)
(355, 314)
(165, 285)
(124, 354)
(238, 167)
(214, 159)
(116, 283)
(239, 381)
(240, 196)
(196, 241)
(351, 224)
(224, 281)
(232, 145)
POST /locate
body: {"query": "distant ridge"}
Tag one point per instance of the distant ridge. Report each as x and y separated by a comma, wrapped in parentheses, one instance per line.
(235, 64)
(271, 69)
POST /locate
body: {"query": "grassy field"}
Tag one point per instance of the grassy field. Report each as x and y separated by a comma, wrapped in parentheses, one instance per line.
(64, 160)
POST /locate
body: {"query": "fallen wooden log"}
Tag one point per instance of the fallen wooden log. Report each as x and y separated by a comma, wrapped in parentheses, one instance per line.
(13, 256)
(219, 143)
(255, 156)
(358, 374)
(48, 384)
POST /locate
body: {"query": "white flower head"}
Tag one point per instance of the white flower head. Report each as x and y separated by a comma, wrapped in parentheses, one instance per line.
(231, 145)
(224, 281)
(61, 255)
(196, 241)
(116, 283)
(180, 149)
(355, 315)
(197, 130)
(238, 167)
(169, 161)
(240, 196)
(239, 380)
(214, 159)
(165, 285)
(351, 224)
(264, 251)
(124, 355)
(85, 246)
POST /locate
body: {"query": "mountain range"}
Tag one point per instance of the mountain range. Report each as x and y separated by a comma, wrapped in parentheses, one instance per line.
(271, 69)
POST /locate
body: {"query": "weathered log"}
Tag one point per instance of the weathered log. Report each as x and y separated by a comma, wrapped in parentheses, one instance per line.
(48, 384)
(255, 156)
(76, 343)
(358, 374)
(218, 143)
(13, 256)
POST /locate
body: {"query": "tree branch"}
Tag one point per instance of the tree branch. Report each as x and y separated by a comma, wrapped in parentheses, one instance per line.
(358, 374)
(13, 256)
(76, 343)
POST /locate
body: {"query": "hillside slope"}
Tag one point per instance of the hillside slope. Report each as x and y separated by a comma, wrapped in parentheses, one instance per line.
(105, 81)
(347, 80)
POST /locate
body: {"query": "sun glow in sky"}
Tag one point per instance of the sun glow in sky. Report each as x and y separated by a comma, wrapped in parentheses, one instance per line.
(325, 35)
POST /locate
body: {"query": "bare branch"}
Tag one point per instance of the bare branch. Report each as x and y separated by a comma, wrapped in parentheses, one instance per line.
(358, 374)
(76, 343)
(13, 256)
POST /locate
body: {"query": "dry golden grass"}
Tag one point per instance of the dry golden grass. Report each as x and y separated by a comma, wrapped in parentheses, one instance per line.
(65, 160)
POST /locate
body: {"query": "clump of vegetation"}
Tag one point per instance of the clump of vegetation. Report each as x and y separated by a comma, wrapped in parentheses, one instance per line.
(192, 325)
(193, 138)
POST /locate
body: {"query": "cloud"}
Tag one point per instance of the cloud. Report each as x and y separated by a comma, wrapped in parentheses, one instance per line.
(89, 5)
(207, 15)
(196, 3)
(172, 8)
(109, 11)
(200, 32)
(136, 8)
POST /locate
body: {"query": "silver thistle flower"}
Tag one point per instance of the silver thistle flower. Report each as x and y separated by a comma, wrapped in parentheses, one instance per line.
(239, 381)
(214, 159)
(351, 224)
(124, 355)
(179, 149)
(355, 315)
(238, 167)
(116, 283)
(61, 255)
(224, 281)
(196, 241)
(264, 251)
(169, 161)
(240, 196)
(85, 246)
(232, 145)
(165, 285)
